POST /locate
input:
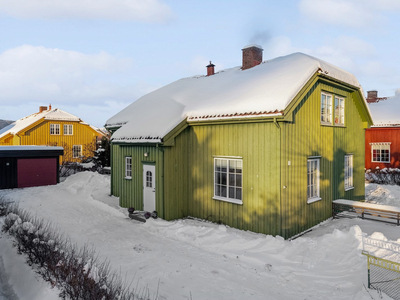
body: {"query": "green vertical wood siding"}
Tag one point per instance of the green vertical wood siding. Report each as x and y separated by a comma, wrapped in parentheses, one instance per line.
(274, 192)
(130, 191)
(306, 137)
(189, 175)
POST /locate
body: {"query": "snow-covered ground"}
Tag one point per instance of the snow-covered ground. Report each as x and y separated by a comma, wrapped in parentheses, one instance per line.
(191, 259)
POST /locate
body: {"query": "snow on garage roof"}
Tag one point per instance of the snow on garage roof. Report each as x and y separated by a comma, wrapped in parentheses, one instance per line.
(266, 89)
(53, 114)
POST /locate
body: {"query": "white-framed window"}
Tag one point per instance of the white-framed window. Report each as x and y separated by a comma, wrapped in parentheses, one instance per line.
(76, 151)
(313, 180)
(55, 129)
(348, 172)
(326, 108)
(339, 111)
(68, 129)
(128, 167)
(228, 179)
(380, 152)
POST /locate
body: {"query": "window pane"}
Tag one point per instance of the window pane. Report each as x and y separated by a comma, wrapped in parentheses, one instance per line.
(232, 166)
(217, 190)
(239, 180)
(239, 193)
(223, 191)
(232, 192)
(217, 165)
(224, 165)
(223, 178)
(239, 166)
(231, 179)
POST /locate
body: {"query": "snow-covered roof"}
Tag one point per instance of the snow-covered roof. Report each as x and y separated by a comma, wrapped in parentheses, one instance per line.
(386, 113)
(263, 90)
(53, 114)
(30, 147)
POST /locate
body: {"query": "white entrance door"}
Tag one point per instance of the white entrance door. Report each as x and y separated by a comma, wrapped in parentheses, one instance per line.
(149, 188)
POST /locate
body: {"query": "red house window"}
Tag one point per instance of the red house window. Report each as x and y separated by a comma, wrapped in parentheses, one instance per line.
(380, 152)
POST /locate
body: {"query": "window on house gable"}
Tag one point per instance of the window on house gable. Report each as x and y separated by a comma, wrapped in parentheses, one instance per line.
(77, 151)
(68, 129)
(128, 167)
(313, 180)
(326, 108)
(55, 129)
(228, 179)
(380, 152)
(348, 172)
(339, 111)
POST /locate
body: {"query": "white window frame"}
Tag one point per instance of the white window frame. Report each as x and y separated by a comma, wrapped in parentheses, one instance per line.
(339, 111)
(228, 186)
(55, 129)
(348, 172)
(68, 129)
(73, 151)
(313, 180)
(128, 167)
(380, 147)
(326, 115)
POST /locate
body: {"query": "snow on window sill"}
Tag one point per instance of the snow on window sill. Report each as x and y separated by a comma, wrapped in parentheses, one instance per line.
(312, 200)
(349, 188)
(128, 177)
(234, 201)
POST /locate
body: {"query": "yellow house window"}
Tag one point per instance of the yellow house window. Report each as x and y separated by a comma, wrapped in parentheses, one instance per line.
(55, 129)
(76, 151)
(68, 129)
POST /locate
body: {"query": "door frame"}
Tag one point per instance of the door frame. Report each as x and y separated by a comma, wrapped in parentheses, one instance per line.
(154, 177)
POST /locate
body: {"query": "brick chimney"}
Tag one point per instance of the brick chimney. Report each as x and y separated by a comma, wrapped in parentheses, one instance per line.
(252, 56)
(42, 108)
(372, 94)
(210, 69)
(50, 106)
(372, 97)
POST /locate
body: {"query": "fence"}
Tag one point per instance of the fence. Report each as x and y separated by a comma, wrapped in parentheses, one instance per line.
(383, 275)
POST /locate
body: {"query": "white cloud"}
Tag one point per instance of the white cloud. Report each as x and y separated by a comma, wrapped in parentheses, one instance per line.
(354, 13)
(29, 74)
(124, 10)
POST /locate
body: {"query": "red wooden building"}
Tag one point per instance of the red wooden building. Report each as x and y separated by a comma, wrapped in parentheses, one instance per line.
(27, 166)
(382, 140)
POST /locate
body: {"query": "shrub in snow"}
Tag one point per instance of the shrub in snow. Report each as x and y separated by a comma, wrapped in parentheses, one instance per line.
(77, 272)
(383, 176)
(102, 154)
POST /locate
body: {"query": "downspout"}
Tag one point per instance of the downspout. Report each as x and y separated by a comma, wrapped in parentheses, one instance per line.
(162, 179)
(276, 123)
(111, 169)
(280, 178)
(19, 138)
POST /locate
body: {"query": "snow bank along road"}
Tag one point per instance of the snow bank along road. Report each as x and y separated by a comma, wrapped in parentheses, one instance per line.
(190, 259)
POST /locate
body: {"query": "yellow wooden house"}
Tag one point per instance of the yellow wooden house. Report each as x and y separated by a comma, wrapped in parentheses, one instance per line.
(53, 127)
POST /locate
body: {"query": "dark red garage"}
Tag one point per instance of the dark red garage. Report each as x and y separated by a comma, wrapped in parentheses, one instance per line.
(27, 166)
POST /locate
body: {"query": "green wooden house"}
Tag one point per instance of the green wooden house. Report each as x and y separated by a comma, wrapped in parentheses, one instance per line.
(263, 147)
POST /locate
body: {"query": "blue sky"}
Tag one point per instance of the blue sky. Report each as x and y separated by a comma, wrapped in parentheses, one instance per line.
(92, 58)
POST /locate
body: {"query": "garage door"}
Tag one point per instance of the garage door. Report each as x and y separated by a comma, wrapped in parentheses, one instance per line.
(37, 171)
(8, 172)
